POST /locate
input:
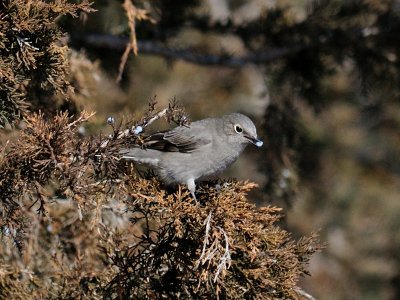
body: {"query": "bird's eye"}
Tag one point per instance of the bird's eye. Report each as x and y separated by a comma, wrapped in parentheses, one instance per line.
(238, 128)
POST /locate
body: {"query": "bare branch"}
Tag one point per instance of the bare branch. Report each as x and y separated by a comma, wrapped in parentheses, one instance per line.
(152, 48)
(205, 242)
(137, 129)
(225, 261)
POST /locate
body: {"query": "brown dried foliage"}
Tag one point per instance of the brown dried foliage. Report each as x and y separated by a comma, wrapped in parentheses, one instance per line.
(33, 64)
(88, 227)
(224, 248)
(133, 14)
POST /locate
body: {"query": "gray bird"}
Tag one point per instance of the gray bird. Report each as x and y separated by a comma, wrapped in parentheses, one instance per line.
(187, 153)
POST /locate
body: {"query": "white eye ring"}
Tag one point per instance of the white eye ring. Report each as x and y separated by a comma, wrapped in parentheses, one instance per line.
(238, 128)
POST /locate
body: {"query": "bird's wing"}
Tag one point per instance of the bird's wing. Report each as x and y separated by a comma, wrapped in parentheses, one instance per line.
(178, 140)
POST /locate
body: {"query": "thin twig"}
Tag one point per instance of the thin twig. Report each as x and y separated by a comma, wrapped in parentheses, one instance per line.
(137, 129)
(209, 251)
(134, 14)
(225, 261)
(205, 242)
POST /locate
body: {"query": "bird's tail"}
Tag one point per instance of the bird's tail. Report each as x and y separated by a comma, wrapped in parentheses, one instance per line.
(145, 156)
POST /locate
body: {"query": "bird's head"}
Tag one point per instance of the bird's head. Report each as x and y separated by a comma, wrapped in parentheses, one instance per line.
(241, 129)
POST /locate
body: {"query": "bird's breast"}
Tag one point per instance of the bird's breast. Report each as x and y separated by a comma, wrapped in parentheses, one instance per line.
(178, 167)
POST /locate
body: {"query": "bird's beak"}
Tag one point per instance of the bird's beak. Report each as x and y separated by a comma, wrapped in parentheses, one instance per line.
(255, 141)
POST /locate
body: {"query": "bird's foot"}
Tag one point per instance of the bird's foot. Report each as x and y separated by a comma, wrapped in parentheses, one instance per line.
(192, 188)
(194, 197)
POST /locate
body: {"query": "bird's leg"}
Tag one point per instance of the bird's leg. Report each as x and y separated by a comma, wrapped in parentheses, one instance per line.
(192, 188)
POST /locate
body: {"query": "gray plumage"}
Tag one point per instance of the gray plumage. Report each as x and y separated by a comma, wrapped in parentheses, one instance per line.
(187, 153)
